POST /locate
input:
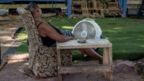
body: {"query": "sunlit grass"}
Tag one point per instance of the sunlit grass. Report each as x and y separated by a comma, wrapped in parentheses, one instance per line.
(67, 27)
(23, 47)
(22, 36)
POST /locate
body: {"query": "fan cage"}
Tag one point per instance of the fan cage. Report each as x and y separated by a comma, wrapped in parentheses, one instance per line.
(90, 26)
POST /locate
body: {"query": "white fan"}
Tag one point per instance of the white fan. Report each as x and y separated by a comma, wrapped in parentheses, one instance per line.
(86, 29)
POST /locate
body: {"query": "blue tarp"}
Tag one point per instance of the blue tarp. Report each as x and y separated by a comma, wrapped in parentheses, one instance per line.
(123, 5)
(5, 1)
(38, 0)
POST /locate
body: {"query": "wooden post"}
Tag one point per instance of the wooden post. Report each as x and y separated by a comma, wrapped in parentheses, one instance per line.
(123, 6)
(85, 11)
(59, 64)
(95, 8)
(107, 60)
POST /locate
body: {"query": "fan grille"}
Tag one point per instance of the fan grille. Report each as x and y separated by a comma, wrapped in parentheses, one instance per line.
(85, 26)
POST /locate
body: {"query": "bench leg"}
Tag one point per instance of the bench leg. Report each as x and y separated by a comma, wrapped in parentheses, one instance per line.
(64, 59)
(59, 64)
(108, 75)
(107, 60)
(60, 77)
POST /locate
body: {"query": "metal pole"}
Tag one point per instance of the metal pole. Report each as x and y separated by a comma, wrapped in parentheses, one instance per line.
(123, 6)
(69, 8)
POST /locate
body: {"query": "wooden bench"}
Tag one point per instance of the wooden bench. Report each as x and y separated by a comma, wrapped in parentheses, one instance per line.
(106, 67)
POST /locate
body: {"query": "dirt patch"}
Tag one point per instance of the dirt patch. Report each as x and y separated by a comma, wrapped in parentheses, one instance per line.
(11, 73)
(123, 71)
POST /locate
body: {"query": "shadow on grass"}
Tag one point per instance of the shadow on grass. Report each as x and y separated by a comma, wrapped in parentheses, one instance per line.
(128, 56)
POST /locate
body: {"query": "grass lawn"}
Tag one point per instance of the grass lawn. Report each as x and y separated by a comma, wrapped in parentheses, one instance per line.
(125, 34)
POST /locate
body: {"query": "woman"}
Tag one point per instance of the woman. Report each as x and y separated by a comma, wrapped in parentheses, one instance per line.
(50, 35)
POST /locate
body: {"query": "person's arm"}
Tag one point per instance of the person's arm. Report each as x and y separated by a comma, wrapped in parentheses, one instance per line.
(52, 33)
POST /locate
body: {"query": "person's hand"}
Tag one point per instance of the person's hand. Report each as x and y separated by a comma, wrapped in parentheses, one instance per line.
(69, 38)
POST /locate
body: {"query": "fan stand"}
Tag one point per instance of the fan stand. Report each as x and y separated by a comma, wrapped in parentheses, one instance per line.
(81, 41)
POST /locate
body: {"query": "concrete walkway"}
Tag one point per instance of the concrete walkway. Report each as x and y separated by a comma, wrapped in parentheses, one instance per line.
(8, 25)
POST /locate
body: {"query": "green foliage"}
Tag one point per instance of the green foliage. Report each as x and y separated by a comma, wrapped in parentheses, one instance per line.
(23, 47)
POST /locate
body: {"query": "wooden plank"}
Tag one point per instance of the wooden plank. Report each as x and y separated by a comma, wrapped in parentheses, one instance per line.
(134, 2)
(133, 6)
(95, 9)
(114, 9)
(90, 43)
(77, 9)
(84, 69)
(7, 6)
(48, 14)
(76, 2)
(133, 11)
(85, 11)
